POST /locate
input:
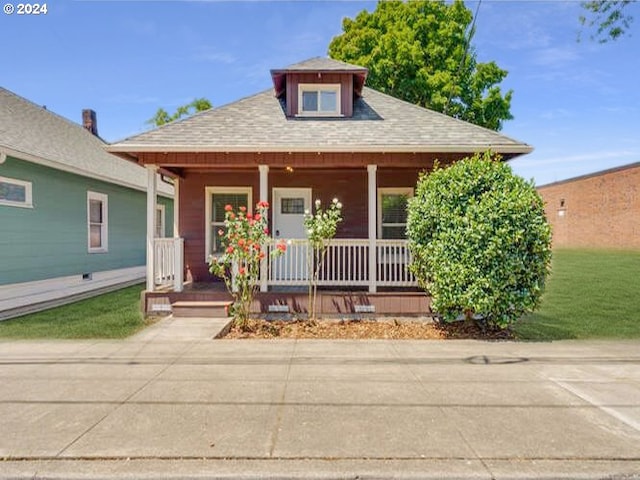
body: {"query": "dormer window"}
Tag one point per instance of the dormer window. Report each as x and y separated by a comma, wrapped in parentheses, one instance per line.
(319, 99)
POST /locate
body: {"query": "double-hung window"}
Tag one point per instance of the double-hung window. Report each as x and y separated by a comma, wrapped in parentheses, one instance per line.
(217, 199)
(97, 220)
(15, 193)
(392, 212)
(319, 99)
(160, 228)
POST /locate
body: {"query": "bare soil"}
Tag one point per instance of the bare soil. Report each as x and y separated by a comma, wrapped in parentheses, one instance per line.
(365, 329)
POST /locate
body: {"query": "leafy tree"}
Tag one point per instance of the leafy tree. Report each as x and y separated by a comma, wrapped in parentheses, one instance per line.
(480, 241)
(420, 51)
(162, 116)
(609, 18)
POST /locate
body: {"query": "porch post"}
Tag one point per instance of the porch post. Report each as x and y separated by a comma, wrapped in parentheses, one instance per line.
(264, 197)
(372, 215)
(176, 207)
(151, 224)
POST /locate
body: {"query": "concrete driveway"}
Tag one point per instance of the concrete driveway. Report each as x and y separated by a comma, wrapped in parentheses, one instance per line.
(172, 403)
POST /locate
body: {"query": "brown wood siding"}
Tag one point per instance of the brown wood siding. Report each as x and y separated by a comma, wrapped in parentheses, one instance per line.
(348, 185)
(234, 160)
(346, 86)
(192, 213)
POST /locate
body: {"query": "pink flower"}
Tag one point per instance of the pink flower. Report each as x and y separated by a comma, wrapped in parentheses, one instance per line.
(257, 216)
(241, 271)
(263, 204)
(243, 209)
(282, 247)
(266, 231)
(230, 249)
(228, 208)
(221, 232)
(249, 215)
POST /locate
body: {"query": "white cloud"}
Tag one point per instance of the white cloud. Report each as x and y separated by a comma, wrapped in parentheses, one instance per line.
(555, 56)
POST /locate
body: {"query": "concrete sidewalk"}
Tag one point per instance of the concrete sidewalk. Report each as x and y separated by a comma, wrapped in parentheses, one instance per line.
(172, 403)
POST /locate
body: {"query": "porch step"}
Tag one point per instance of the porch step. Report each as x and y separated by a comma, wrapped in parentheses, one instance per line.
(213, 309)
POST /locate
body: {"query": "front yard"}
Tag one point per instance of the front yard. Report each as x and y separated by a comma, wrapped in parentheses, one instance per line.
(591, 294)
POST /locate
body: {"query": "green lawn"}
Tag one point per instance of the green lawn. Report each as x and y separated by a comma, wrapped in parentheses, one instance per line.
(591, 294)
(112, 315)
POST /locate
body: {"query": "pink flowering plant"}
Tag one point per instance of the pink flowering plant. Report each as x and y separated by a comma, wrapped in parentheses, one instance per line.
(244, 241)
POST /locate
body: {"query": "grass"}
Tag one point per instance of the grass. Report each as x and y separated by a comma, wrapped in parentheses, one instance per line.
(112, 315)
(591, 294)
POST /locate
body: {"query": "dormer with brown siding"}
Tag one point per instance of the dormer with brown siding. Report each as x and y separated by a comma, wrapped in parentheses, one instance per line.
(319, 87)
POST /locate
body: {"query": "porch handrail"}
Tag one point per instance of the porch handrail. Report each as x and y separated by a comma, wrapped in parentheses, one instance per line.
(346, 263)
(168, 263)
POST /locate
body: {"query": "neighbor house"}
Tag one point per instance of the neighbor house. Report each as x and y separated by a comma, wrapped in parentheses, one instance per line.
(72, 216)
(319, 133)
(599, 210)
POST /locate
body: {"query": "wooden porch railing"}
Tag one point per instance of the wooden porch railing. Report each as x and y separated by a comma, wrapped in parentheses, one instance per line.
(168, 263)
(346, 264)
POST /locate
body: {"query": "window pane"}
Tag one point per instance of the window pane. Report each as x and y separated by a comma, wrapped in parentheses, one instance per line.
(328, 101)
(159, 229)
(310, 101)
(394, 208)
(217, 239)
(96, 236)
(292, 205)
(13, 192)
(95, 211)
(394, 233)
(220, 200)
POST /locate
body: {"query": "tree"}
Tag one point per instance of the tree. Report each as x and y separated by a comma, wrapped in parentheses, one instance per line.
(162, 116)
(480, 241)
(608, 17)
(420, 51)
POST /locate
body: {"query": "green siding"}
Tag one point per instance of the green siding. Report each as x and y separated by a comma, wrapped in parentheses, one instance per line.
(50, 239)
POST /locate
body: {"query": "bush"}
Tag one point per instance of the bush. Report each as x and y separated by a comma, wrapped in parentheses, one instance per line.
(480, 241)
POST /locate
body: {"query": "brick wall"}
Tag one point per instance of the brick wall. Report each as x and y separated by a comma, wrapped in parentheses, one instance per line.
(597, 210)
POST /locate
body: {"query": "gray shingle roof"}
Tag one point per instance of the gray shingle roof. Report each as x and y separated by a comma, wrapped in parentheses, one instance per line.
(321, 64)
(31, 132)
(380, 123)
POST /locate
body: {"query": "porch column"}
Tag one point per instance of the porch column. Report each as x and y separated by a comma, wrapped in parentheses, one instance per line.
(151, 224)
(176, 207)
(264, 197)
(178, 243)
(372, 215)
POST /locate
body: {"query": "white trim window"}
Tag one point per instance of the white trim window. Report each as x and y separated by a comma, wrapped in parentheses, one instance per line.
(15, 193)
(160, 221)
(319, 99)
(217, 198)
(97, 222)
(392, 212)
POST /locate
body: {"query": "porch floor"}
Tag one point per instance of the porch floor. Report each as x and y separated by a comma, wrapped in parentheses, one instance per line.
(331, 302)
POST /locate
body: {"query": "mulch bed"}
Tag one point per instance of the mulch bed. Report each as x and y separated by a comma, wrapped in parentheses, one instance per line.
(365, 329)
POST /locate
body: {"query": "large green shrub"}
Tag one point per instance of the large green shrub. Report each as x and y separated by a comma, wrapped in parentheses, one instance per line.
(480, 241)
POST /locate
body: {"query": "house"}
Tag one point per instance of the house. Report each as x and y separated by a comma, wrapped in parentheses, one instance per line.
(72, 216)
(319, 133)
(599, 210)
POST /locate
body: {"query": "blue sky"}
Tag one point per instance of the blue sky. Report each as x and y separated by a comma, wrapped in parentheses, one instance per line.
(578, 104)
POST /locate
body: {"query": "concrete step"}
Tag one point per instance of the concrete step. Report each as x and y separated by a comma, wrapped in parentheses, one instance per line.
(209, 309)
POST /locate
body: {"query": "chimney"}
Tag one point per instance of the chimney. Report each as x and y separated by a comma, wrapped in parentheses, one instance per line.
(90, 121)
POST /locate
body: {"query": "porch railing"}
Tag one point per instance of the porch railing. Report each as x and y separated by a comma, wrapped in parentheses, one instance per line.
(168, 263)
(346, 264)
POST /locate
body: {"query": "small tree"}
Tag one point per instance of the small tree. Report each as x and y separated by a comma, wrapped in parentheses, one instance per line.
(480, 241)
(243, 238)
(321, 228)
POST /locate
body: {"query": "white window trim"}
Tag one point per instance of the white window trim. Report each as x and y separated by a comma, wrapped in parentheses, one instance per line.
(105, 222)
(161, 226)
(208, 193)
(317, 87)
(390, 191)
(28, 189)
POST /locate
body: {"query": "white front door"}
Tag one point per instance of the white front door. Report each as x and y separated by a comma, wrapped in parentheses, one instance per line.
(289, 205)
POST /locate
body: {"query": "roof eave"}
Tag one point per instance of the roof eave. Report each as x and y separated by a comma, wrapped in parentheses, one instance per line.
(134, 149)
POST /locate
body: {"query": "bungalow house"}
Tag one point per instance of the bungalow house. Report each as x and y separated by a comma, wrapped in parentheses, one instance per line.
(319, 133)
(72, 216)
